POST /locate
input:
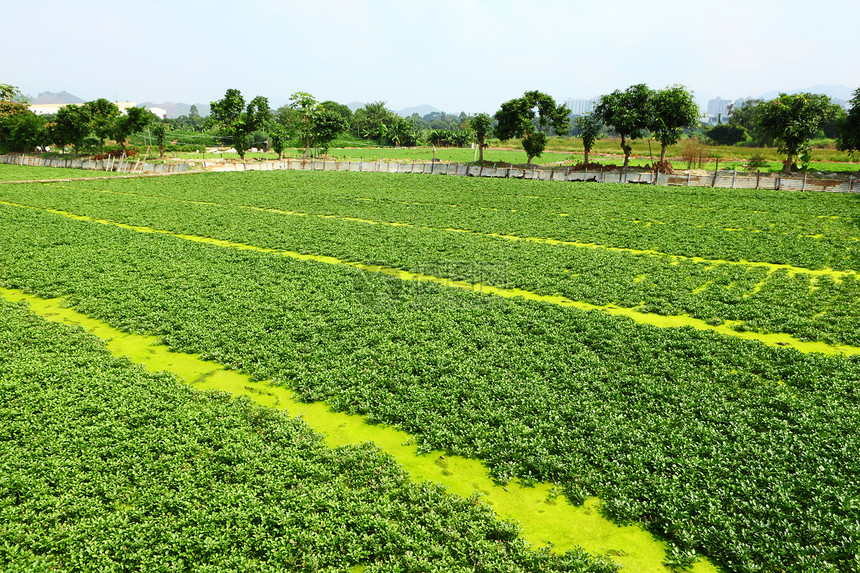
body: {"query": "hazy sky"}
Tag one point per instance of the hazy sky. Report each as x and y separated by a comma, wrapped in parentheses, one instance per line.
(457, 55)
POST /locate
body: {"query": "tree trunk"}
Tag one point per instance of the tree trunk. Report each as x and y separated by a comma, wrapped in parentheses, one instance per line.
(481, 152)
(586, 157)
(788, 161)
(626, 148)
(663, 153)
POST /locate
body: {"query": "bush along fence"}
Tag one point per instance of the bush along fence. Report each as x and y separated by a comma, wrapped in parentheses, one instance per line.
(113, 164)
(724, 178)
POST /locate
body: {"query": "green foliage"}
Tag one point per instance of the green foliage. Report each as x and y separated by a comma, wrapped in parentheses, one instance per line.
(102, 115)
(12, 94)
(674, 110)
(727, 134)
(481, 124)
(628, 113)
(849, 138)
(590, 129)
(369, 120)
(135, 120)
(238, 120)
(793, 119)
(742, 452)
(532, 117)
(71, 126)
(109, 467)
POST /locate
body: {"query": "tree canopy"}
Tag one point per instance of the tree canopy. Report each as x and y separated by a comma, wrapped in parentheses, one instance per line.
(793, 119)
(590, 130)
(673, 109)
(239, 120)
(532, 117)
(849, 139)
(628, 113)
(481, 125)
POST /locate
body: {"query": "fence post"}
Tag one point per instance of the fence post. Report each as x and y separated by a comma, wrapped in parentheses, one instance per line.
(734, 175)
(850, 183)
(778, 181)
(757, 177)
(803, 185)
(714, 182)
(688, 177)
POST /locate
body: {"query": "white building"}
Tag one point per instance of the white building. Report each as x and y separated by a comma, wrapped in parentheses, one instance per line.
(718, 108)
(581, 106)
(52, 108)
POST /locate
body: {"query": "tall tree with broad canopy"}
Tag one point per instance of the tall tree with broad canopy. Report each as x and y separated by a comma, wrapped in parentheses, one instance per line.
(71, 126)
(628, 113)
(673, 110)
(102, 119)
(590, 130)
(849, 130)
(793, 120)
(307, 107)
(481, 125)
(239, 120)
(516, 118)
(135, 120)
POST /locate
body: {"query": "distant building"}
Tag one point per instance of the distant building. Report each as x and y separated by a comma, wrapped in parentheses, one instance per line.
(718, 108)
(158, 111)
(581, 106)
(52, 108)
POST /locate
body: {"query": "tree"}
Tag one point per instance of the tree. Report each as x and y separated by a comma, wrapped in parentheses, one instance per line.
(102, 119)
(135, 120)
(481, 125)
(849, 130)
(326, 126)
(239, 120)
(12, 94)
(71, 126)
(517, 118)
(748, 116)
(628, 113)
(369, 120)
(307, 107)
(793, 119)
(338, 108)
(727, 134)
(673, 110)
(590, 130)
(13, 110)
(159, 131)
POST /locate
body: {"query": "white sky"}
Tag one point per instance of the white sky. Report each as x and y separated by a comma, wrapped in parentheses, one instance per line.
(457, 55)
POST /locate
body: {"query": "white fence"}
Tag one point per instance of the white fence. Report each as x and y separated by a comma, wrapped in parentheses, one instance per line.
(122, 165)
(724, 179)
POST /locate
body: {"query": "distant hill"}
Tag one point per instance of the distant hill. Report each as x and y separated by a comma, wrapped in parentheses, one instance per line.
(174, 109)
(834, 92)
(421, 110)
(55, 98)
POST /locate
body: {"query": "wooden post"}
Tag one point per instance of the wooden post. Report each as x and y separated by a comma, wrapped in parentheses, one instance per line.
(778, 183)
(688, 177)
(757, 177)
(734, 175)
(850, 183)
(714, 182)
(803, 185)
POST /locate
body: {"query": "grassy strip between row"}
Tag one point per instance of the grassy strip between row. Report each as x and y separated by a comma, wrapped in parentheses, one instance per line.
(742, 452)
(108, 467)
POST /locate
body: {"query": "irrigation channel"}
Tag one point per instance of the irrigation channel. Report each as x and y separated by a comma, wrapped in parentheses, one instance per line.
(544, 515)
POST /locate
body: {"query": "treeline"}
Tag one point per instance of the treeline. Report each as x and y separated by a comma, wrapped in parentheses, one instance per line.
(790, 122)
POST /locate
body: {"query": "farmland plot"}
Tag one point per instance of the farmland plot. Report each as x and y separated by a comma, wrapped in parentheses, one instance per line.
(740, 450)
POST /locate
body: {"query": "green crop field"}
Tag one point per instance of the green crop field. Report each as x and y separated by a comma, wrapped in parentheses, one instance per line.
(688, 355)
